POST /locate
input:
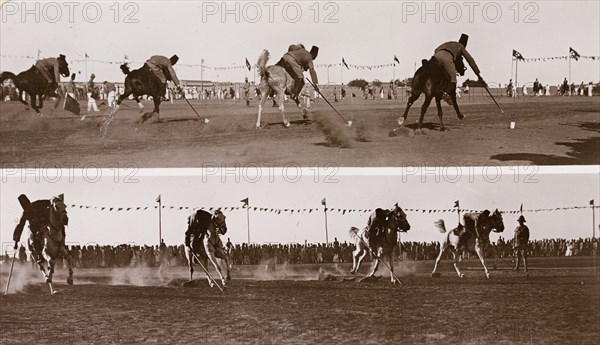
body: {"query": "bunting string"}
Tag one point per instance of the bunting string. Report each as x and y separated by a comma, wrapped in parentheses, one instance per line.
(552, 58)
(342, 211)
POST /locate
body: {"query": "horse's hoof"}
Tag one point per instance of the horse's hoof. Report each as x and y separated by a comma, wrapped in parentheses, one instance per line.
(460, 116)
(228, 278)
(462, 275)
(70, 281)
(435, 275)
(48, 280)
(487, 275)
(54, 292)
(287, 125)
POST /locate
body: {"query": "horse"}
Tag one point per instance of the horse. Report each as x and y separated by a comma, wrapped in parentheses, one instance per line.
(141, 82)
(277, 82)
(203, 242)
(431, 80)
(54, 242)
(385, 243)
(35, 84)
(474, 236)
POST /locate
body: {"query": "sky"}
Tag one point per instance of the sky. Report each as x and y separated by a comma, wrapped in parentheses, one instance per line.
(362, 32)
(413, 188)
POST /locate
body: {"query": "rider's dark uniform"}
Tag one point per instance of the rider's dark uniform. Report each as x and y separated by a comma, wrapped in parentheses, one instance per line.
(37, 213)
(197, 227)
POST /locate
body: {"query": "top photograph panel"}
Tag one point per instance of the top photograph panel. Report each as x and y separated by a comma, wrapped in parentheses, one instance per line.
(158, 84)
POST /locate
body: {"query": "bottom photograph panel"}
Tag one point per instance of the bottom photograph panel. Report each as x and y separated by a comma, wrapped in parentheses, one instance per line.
(449, 256)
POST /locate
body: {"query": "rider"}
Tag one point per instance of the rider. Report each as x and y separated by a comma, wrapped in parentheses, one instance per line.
(163, 69)
(296, 61)
(448, 53)
(37, 213)
(376, 226)
(44, 66)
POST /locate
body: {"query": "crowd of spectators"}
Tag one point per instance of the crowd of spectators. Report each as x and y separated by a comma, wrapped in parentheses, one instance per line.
(132, 255)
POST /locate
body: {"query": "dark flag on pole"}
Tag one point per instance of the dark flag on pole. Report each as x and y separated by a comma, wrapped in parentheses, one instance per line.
(72, 105)
(574, 55)
(592, 202)
(396, 59)
(517, 55)
(324, 202)
(86, 56)
(158, 198)
(248, 65)
(345, 64)
(456, 204)
(245, 202)
(521, 209)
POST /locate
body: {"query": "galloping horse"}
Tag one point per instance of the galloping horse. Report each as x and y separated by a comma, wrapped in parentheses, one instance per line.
(202, 242)
(54, 242)
(384, 244)
(37, 87)
(275, 81)
(141, 82)
(474, 236)
(431, 80)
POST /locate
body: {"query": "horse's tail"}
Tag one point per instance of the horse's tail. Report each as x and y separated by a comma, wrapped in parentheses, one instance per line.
(125, 69)
(7, 75)
(262, 64)
(440, 225)
(353, 232)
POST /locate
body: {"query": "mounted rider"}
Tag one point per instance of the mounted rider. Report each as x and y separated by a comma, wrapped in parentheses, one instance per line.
(162, 67)
(50, 70)
(296, 61)
(449, 58)
(37, 213)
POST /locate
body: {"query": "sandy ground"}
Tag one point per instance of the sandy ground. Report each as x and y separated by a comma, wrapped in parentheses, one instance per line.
(557, 303)
(549, 131)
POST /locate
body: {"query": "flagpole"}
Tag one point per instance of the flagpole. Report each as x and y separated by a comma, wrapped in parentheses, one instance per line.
(248, 221)
(86, 69)
(326, 231)
(593, 220)
(569, 86)
(159, 219)
(516, 78)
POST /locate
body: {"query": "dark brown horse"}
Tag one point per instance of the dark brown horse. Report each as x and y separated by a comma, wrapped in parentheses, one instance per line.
(141, 82)
(35, 84)
(384, 243)
(431, 80)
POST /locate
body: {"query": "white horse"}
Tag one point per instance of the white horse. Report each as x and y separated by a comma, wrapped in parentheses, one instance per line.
(474, 236)
(203, 243)
(54, 242)
(275, 81)
(380, 237)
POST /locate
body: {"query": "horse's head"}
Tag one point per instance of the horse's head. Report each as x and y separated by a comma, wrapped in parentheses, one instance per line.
(496, 223)
(63, 66)
(58, 213)
(218, 221)
(398, 217)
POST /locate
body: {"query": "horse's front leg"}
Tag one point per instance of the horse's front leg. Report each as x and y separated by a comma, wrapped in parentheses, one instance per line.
(213, 259)
(424, 107)
(33, 103)
(479, 251)
(438, 104)
(223, 256)
(357, 256)
(190, 259)
(437, 260)
(456, 255)
(67, 257)
(452, 95)
(281, 95)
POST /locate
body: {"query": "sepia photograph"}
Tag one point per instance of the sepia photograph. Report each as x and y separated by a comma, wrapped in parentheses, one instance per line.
(350, 83)
(299, 172)
(459, 256)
